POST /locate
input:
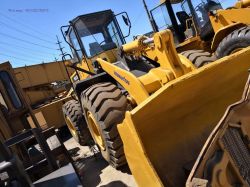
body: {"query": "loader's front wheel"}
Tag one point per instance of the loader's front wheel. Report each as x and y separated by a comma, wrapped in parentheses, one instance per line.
(199, 57)
(75, 122)
(234, 42)
(104, 107)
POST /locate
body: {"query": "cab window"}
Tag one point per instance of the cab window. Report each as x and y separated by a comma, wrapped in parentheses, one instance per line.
(98, 33)
(75, 43)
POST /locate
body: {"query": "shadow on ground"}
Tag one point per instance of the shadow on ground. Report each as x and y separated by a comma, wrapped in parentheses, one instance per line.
(125, 169)
(90, 168)
(69, 180)
(95, 171)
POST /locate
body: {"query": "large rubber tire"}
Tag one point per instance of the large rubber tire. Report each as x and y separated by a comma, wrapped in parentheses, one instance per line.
(107, 105)
(199, 57)
(72, 110)
(233, 42)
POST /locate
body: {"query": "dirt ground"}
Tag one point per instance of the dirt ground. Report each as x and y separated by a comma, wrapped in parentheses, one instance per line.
(95, 171)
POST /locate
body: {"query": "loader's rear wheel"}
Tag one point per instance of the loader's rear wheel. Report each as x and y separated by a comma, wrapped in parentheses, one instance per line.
(199, 57)
(104, 107)
(234, 42)
(75, 122)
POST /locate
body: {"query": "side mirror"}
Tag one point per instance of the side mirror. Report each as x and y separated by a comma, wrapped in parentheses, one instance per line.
(126, 21)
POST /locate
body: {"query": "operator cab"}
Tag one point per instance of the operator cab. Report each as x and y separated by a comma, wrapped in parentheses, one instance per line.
(91, 34)
(184, 18)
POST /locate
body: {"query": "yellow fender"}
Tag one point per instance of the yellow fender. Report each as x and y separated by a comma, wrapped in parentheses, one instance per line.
(223, 32)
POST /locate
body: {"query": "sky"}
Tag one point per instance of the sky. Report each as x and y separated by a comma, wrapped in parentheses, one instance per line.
(28, 28)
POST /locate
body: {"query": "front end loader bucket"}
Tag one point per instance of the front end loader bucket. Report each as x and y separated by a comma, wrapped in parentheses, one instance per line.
(163, 136)
(224, 158)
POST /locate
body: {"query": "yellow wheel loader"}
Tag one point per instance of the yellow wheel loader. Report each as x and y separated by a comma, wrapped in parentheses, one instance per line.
(191, 27)
(231, 27)
(203, 31)
(90, 36)
(188, 20)
(150, 106)
(102, 27)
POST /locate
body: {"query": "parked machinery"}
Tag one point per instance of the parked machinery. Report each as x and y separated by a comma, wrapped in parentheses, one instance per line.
(107, 32)
(189, 21)
(143, 79)
(90, 36)
(203, 30)
(147, 105)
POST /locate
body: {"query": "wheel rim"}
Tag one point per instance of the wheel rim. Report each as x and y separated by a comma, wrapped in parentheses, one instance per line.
(95, 130)
(71, 127)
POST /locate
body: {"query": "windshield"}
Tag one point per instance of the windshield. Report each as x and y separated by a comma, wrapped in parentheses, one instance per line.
(163, 20)
(178, 17)
(74, 42)
(161, 17)
(202, 8)
(97, 34)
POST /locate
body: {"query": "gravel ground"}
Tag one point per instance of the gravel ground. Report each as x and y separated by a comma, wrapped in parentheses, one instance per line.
(95, 171)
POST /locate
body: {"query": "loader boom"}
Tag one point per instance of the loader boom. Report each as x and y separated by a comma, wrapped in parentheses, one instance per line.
(159, 49)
